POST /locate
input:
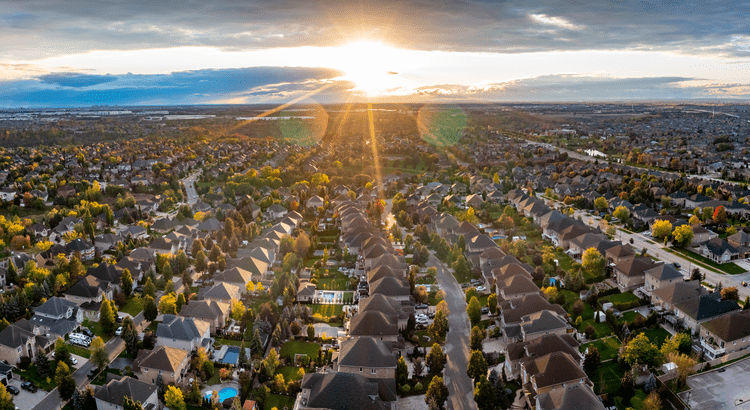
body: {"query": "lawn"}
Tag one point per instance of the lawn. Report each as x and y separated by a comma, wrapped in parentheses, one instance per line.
(290, 373)
(229, 342)
(278, 401)
(291, 348)
(729, 268)
(80, 351)
(32, 375)
(338, 281)
(602, 329)
(327, 310)
(657, 336)
(97, 329)
(610, 373)
(608, 347)
(422, 343)
(626, 297)
(133, 307)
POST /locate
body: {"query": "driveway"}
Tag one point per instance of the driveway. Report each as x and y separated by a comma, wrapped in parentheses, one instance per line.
(26, 399)
(727, 389)
(459, 384)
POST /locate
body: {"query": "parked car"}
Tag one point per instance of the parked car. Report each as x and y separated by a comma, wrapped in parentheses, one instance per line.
(73, 360)
(481, 288)
(485, 310)
(93, 372)
(421, 306)
(677, 265)
(86, 331)
(465, 285)
(12, 390)
(118, 332)
(29, 386)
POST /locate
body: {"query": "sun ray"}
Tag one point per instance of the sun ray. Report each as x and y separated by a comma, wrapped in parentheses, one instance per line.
(375, 153)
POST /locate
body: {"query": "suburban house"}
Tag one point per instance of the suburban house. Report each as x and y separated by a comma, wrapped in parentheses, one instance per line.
(22, 339)
(726, 334)
(578, 396)
(543, 323)
(112, 395)
(668, 296)
(696, 311)
(87, 293)
(57, 316)
(171, 363)
(631, 273)
(521, 352)
(366, 356)
(306, 291)
(719, 250)
(662, 275)
(343, 391)
(554, 371)
(220, 292)
(213, 312)
(84, 248)
(183, 333)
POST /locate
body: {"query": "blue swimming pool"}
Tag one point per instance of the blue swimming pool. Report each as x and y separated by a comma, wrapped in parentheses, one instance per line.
(231, 356)
(225, 393)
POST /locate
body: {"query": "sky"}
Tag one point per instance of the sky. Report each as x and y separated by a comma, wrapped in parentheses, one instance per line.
(71, 53)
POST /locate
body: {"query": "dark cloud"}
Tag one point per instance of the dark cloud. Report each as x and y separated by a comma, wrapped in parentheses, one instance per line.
(76, 80)
(64, 26)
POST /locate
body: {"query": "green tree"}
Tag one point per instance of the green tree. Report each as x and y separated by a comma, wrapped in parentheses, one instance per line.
(661, 229)
(62, 354)
(107, 317)
(437, 394)
(436, 359)
(99, 354)
(149, 288)
(150, 311)
(477, 365)
(601, 203)
(173, 398)
(439, 326)
(720, 215)
(402, 372)
(476, 337)
(474, 310)
(683, 235)
(180, 302)
(484, 394)
(592, 361)
(130, 336)
(302, 245)
(622, 213)
(310, 333)
(492, 303)
(627, 387)
(66, 386)
(200, 261)
(126, 282)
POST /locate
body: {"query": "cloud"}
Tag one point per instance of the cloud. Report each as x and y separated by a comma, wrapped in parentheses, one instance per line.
(41, 28)
(254, 84)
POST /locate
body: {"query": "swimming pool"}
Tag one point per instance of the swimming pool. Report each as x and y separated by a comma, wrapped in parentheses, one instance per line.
(225, 393)
(231, 356)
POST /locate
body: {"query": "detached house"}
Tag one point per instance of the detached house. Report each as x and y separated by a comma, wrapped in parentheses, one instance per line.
(719, 250)
(166, 361)
(726, 334)
(112, 395)
(183, 333)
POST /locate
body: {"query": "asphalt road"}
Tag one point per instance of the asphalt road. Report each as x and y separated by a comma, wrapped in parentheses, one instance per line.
(192, 194)
(459, 384)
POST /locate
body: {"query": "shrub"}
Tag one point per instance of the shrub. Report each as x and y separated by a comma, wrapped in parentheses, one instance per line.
(405, 388)
(418, 387)
(590, 331)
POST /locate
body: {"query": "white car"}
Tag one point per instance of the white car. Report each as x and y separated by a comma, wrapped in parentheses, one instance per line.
(73, 360)
(481, 288)
(118, 332)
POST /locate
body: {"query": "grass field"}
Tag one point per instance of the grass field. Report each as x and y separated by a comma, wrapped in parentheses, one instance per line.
(290, 373)
(278, 401)
(608, 347)
(602, 329)
(97, 329)
(291, 348)
(327, 310)
(338, 282)
(657, 336)
(626, 297)
(134, 306)
(80, 351)
(610, 373)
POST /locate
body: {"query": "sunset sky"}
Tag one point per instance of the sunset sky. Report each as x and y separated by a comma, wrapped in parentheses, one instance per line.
(85, 52)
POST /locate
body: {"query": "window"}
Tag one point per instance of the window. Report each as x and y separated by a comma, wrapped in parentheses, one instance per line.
(360, 369)
(373, 371)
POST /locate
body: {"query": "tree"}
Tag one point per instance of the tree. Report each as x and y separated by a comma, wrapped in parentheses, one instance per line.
(129, 404)
(593, 261)
(149, 288)
(461, 266)
(720, 215)
(474, 310)
(650, 384)
(107, 317)
(578, 307)
(685, 365)
(661, 229)
(238, 309)
(310, 333)
(417, 368)
(66, 386)
(256, 344)
(694, 220)
(683, 235)
(621, 213)
(6, 400)
(126, 282)
(592, 361)
(99, 354)
(200, 262)
(492, 303)
(130, 336)
(477, 365)
(640, 350)
(439, 326)
(652, 402)
(600, 203)
(436, 359)
(173, 398)
(696, 274)
(437, 394)
(168, 304)
(150, 312)
(302, 245)
(627, 387)
(731, 230)
(402, 372)
(476, 337)
(746, 305)
(730, 293)
(62, 355)
(180, 302)
(484, 394)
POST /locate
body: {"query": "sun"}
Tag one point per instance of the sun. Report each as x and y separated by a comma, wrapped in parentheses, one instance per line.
(373, 67)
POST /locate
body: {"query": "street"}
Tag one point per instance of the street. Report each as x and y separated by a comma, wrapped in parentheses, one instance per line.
(192, 194)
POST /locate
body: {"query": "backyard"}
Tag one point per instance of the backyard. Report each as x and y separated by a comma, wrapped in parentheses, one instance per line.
(292, 348)
(335, 281)
(327, 310)
(608, 347)
(133, 306)
(278, 401)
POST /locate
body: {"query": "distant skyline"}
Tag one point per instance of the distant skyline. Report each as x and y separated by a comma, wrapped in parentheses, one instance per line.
(81, 52)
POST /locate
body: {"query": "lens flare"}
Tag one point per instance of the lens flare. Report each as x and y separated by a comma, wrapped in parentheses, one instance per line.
(441, 125)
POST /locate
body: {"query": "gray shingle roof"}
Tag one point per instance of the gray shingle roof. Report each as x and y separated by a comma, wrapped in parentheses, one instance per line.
(366, 352)
(116, 390)
(181, 328)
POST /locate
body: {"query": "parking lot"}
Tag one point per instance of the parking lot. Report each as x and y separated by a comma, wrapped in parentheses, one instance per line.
(26, 399)
(725, 388)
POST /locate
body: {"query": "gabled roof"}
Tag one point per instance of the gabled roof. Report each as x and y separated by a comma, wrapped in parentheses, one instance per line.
(706, 307)
(204, 309)
(574, 396)
(664, 272)
(342, 391)
(515, 311)
(390, 286)
(679, 292)
(87, 287)
(106, 272)
(55, 306)
(554, 368)
(373, 323)
(730, 327)
(116, 390)
(235, 275)
(221, 291)
(542, 321)
(181, 328)
(164, 358)
(635, 266)
(718, 246)
(366, 352)
(380, 272)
